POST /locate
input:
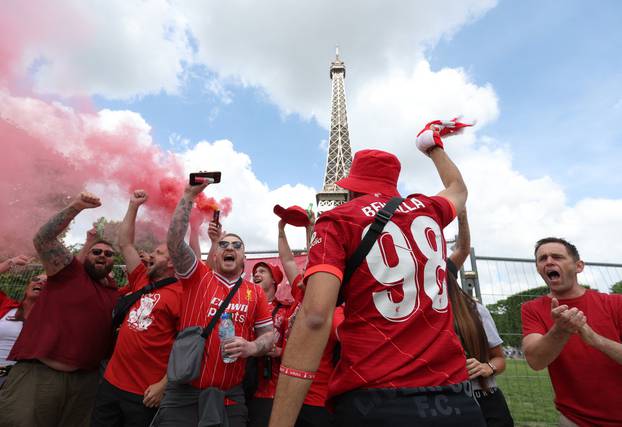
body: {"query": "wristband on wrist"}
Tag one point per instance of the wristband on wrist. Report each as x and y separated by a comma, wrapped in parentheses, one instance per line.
(290, 372)
(493, 367)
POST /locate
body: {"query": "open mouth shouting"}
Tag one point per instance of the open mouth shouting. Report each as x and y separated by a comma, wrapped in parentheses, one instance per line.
(553, 274)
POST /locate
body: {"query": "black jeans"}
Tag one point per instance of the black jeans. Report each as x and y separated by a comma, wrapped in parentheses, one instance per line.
(118, 408)
(445, 406)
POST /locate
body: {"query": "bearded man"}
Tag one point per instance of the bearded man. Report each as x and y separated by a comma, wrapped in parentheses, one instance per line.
(67, 333)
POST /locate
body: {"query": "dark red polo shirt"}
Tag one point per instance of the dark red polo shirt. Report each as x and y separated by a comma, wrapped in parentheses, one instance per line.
(71, 322)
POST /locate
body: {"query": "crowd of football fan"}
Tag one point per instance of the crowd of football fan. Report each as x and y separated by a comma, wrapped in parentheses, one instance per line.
(372, 329)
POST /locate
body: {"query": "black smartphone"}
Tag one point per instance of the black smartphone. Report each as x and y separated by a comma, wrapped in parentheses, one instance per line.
(216, 217)
(213, 176)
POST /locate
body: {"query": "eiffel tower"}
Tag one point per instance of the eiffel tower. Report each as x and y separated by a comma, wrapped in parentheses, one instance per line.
(339, 156)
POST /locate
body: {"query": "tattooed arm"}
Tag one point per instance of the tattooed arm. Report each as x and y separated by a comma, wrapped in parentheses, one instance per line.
(264, 341)
(54, 256)
(181, 254)
(239, 347)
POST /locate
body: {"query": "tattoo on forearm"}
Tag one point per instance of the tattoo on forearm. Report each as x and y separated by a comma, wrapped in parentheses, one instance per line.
(181, 254)
(264, 343)
(48, 247)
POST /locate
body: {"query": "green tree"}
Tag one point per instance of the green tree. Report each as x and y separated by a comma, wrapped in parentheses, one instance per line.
(506, 314)
(616, 288)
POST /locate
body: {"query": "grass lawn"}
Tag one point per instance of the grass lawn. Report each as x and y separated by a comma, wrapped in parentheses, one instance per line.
(529, 395)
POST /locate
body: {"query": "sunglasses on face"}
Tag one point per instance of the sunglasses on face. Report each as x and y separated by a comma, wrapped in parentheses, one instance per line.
(224, 244)
(98, 252)
(37, 279)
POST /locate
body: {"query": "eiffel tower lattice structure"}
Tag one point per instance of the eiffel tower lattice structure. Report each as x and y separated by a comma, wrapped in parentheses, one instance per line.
(339, 156)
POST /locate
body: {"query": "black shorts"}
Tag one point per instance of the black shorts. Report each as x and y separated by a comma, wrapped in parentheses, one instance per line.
(443, 406)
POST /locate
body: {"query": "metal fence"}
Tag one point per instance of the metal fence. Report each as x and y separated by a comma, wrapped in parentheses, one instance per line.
(494, 280)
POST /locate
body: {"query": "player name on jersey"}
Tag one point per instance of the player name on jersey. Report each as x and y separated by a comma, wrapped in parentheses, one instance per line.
(408, 205)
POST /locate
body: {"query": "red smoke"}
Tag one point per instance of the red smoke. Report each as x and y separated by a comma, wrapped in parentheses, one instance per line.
(50, 151)
(38, 179)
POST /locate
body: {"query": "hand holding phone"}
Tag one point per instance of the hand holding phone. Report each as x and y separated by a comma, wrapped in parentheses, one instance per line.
(198, 178)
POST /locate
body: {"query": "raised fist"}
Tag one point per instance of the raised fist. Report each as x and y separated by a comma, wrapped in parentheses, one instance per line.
(86, 200)
(430, 135)
(139, 197)
(214, 232)
(19, 260)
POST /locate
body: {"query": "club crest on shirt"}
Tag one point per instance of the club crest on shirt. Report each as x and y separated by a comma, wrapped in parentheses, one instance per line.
(140, 318)
(249, 295)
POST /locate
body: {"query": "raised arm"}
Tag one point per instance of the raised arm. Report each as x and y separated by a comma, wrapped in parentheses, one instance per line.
(286, 255)
(6, 265)
(214, 232)
(309, 229)
(455, 189)
(126, 230)
(463, 243)
(91, 238)
(53, 254)
(181, 254)
(196, 219)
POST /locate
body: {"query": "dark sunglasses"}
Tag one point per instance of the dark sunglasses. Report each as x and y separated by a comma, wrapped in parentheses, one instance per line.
(224, 244)
(98, 252)
(37, 279)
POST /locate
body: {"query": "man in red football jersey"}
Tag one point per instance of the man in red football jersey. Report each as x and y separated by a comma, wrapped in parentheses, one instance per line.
(135, 377)
(217, 392)
(401, 363)
(575, 333)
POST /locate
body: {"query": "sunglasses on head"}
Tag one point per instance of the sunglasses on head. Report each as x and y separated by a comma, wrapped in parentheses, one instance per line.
(224, 244)
(98, 252)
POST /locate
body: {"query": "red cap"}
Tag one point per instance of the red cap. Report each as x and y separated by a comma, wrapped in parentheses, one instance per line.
(294, 215)
(373, 171)
(275, 270)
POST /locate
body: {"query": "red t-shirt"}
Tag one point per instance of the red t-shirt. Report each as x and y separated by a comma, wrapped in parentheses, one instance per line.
(398, 328)
(146, 336)
(204, 291)
(71, 322)
(587, 383)
(6, 304)
(266, 388)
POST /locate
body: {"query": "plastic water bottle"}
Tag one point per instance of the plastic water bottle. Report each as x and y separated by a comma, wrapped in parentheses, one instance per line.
(226, 332)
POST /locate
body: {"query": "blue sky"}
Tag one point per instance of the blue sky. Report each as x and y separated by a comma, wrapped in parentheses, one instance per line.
(555, 67)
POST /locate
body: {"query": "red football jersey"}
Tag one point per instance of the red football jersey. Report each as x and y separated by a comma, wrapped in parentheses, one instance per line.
(266, 388)
(398, 328)
(587, 383)
(204, 291)
(146, 335)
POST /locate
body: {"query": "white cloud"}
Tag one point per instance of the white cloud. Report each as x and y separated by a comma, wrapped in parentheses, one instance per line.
(284, 47)
(117, 49)
(253, 200)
